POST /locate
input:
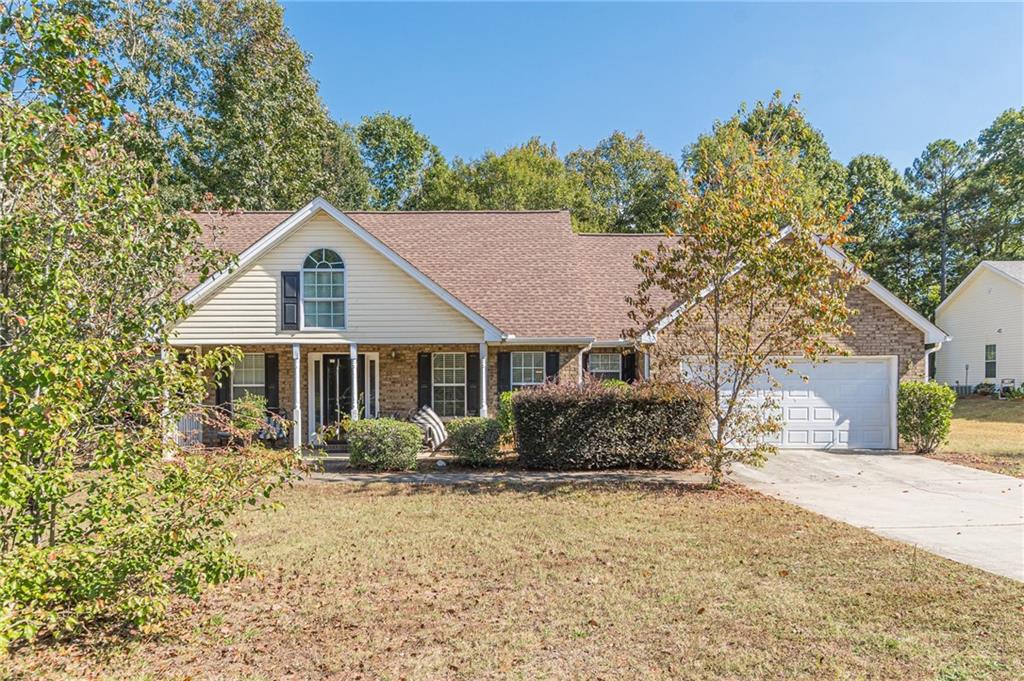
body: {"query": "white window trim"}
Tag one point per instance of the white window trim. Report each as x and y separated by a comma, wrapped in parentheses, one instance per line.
(994, 361)
(302, 293)
(235, 384)
(512, 370)
(464, 385)
(618, 368)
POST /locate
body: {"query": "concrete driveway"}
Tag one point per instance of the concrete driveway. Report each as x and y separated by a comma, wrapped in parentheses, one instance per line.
(964, 514)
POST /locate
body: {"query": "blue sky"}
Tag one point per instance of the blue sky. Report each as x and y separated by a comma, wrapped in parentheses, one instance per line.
(874, 78)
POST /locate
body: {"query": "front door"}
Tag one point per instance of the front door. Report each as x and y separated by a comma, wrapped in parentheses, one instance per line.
(331, 387)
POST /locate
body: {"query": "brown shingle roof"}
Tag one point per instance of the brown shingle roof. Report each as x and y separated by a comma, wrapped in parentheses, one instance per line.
(524, 271)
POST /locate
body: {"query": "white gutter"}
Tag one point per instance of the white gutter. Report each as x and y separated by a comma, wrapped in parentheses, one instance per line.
(931, 351)
(548, 340)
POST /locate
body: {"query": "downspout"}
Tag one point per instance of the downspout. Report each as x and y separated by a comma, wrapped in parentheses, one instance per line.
(927, 353)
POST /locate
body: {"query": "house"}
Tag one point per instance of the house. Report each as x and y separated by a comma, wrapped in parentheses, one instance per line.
(985, 317)
(372, 313)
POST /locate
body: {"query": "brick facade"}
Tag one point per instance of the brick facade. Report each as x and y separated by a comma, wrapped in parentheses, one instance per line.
(877, 330)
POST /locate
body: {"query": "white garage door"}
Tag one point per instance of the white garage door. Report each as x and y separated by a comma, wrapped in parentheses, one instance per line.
(847, 403)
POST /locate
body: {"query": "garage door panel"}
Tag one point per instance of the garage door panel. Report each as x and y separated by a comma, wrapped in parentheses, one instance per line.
(844, 404)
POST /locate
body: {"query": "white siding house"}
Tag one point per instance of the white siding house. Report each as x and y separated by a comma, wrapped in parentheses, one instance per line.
(985, 318)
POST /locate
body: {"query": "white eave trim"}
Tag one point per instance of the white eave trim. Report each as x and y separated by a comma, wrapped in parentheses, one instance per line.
(299, 217)
(932, 333)
(547, 340)
(983, 265)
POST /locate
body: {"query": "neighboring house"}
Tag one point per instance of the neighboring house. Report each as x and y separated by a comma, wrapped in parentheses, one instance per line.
(450, 309)
(984, 315)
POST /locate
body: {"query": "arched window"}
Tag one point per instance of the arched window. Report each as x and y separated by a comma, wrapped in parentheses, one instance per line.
(323, 290)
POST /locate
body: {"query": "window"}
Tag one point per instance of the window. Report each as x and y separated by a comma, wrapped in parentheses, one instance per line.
(323, 290)
(527, 369)
(990, 361)
(605, 366)
(248, 377)
(448, 371)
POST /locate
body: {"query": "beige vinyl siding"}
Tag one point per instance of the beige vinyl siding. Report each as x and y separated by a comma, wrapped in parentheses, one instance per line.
(973, 318)
(384, 304)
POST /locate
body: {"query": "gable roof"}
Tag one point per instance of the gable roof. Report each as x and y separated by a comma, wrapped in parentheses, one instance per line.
(524, 272)
(281, 230)
(1013, 270)
(519, 274)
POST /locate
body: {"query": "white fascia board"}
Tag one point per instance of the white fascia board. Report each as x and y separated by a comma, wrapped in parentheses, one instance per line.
(681, 308)
(982, 266)
(547, 340)
(274, 236)
(619, 343)
(932, 333)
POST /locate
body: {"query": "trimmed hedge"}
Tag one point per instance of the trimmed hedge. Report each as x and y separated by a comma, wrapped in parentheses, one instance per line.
(649, 425)
(474, 440)
(384, 444)
(924, 412)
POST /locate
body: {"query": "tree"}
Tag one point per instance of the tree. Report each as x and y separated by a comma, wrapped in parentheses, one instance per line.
(783, 124)
(226, 103)
(397, 156)
(745, 265)
(886, 251)
(102, 515)
(529, 176)
(1000, 182)
(939, 181)
(634, 187)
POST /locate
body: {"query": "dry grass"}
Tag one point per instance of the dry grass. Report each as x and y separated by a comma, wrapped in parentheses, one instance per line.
(987, 434)
(558, 582)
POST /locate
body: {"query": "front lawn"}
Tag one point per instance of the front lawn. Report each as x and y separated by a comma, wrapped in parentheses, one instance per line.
(987, 434)
(388, 581)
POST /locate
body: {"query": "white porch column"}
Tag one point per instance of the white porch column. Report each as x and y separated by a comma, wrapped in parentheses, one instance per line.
(483, 378)
(579, 366)
(647, 366)
(353, 358)
(296, 398)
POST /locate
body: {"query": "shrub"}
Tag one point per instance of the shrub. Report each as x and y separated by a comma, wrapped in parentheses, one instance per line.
(652, 425)
(506, 419)
(474, 440)
(924, 412)
(384, 444)
(248, 414)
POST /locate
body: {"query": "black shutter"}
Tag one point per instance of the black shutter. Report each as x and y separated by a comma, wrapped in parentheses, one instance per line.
(629, 367)
(586, 363)
(423, 381)
(504, 372)
(270, 373)
(551, 367)
(289, 301)
(473, 383)
(224, 390)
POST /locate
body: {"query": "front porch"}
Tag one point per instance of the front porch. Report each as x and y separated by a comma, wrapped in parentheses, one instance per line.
(392, 380)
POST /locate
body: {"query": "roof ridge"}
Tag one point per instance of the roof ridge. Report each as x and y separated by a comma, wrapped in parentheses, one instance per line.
(454, 212)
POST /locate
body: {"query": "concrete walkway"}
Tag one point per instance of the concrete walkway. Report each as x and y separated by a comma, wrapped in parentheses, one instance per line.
(964, 514)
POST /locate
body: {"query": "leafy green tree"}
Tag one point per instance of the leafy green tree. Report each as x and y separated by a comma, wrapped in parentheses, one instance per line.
(941, 204)
(783, 125)
(397, 155)
(744, 204)
(887, 251)
(1000, 182)
(103, 515)
(633, 186)
(530, 176)
(226, 103)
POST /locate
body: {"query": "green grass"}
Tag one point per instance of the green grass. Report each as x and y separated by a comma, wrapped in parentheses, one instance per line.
(987, 434)
(558, 582)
